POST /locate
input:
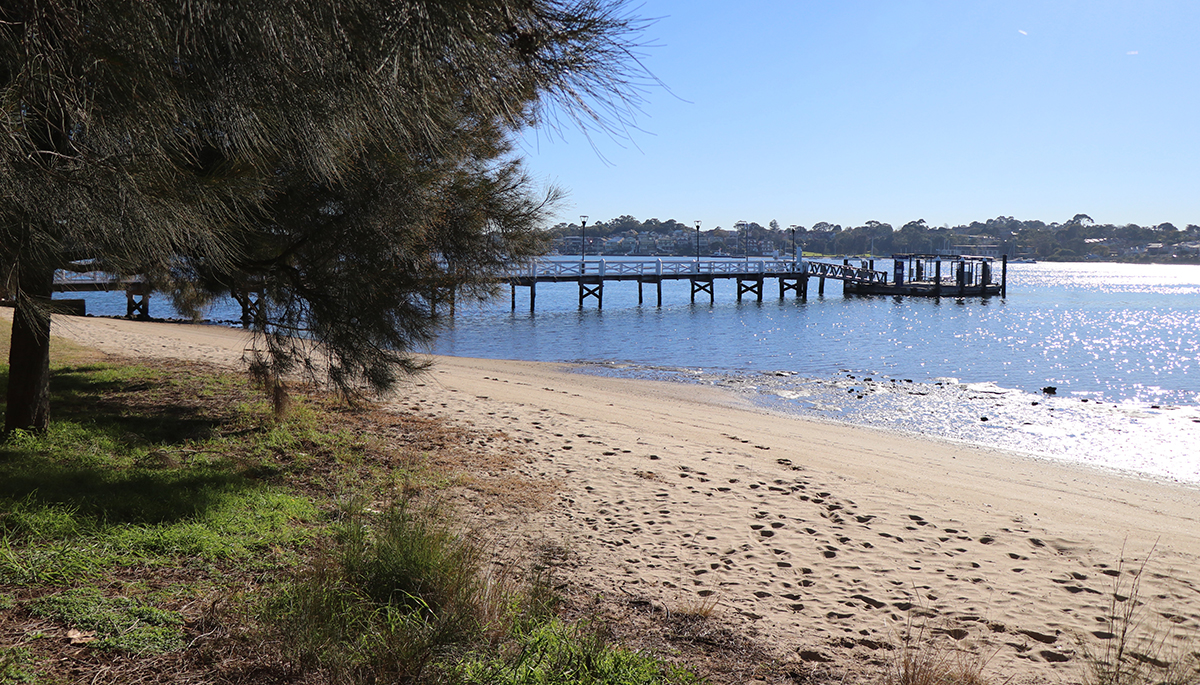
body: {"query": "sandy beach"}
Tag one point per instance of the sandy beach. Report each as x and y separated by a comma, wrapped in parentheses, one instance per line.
(821, 540)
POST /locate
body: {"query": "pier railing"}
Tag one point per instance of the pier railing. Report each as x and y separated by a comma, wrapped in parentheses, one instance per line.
(89, 281)
(553, 269)
(845, 272)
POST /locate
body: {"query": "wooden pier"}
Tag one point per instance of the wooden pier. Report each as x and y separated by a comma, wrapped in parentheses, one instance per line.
(919, 275)
(137, 295)
(591, 275)
(971, 276)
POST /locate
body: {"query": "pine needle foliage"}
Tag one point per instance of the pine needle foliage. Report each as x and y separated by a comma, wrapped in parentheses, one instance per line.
(351, 161)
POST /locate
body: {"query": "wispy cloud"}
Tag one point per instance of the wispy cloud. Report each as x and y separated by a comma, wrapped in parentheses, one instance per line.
(1022, 32)
(1132, 52)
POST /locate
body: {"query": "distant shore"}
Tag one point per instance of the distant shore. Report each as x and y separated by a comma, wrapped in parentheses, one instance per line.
(821, 539)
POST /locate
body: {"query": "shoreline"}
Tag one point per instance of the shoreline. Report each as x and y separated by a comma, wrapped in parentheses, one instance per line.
(1152, 441)
(819, 540)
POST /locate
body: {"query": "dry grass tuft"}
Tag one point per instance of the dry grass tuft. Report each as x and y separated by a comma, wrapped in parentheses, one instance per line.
(926, 659)
(1135, 653)
(696, 607)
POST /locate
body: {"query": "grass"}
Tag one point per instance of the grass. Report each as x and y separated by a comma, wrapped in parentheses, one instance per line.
(1133, 652)
(391, 594)
(16, 666)
(400, 590)
(113, 623)
(557, 653)
(169, 526)
(923, 660)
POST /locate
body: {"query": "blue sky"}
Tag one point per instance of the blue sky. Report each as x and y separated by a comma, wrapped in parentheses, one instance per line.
(851, 110)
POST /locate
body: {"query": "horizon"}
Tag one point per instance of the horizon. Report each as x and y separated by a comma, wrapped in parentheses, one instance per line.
(861, 111)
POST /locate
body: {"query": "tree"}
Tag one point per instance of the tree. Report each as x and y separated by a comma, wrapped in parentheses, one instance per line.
(299, 147)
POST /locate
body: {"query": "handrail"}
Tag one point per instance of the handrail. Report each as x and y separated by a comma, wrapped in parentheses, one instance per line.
(66, 277)
(846, 273)
(543, 268)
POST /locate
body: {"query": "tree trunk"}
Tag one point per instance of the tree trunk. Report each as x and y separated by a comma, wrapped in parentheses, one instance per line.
(29, 353)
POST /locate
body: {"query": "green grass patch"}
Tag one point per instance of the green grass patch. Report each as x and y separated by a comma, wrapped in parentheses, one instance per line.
(115, 623)
(558, 653)
(16, 666)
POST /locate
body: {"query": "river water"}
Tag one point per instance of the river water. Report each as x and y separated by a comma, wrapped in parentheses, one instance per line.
(1120, 343)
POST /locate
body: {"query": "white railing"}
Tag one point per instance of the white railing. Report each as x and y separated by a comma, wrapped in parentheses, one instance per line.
(846, 273)
(545, 268)
(89, 278)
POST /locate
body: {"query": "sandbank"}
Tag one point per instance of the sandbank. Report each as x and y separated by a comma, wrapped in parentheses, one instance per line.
(820, 539)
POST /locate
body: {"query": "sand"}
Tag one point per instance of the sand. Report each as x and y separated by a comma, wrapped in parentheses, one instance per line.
(822, 540)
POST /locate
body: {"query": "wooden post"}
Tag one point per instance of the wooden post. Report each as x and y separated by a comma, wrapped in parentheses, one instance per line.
(137, 300)
(937, 278)
(821, 286)
(639, 292)
(512, 290)
(532, 295)
(1004, 275)
(659, 283)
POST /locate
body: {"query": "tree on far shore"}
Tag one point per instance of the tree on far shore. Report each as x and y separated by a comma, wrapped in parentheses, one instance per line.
(350, 160)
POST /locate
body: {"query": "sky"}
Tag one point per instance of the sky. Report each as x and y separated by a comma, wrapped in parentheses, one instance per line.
(847, 111)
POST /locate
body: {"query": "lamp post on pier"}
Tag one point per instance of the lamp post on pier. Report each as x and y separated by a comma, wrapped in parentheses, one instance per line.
(793, 242)
(582, 242)
(697, 241)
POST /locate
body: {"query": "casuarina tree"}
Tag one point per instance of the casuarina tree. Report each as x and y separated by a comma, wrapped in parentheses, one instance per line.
(351, 160)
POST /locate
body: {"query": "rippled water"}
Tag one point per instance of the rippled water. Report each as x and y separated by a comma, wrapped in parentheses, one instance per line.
(1120, 342)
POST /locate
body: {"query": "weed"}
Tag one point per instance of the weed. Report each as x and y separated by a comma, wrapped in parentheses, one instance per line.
(697, 607)
(924, 660)
(119, 623)
(1134, 653)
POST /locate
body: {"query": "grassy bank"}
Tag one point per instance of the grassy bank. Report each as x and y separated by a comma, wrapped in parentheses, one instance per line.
(168, 528)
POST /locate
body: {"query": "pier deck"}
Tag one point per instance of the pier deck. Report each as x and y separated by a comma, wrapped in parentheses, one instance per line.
(971, 276)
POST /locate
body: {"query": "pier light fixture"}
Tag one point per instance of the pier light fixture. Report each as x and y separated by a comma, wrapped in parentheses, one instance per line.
(582, 238)
(793, 242)
(697, 241)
